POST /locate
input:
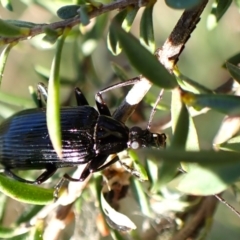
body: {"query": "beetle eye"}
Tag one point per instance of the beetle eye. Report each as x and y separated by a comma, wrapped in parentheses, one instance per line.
(135, 145)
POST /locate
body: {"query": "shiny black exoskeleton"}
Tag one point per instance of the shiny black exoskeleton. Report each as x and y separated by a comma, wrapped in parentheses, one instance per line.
(88, 136)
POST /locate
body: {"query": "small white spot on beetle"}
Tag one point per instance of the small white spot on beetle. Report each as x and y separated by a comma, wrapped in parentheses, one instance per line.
(135, 145)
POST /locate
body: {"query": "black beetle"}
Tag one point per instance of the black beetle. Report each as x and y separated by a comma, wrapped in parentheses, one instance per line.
(88, 137)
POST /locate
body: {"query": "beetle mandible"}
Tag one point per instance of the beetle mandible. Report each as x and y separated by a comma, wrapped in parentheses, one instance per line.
(88, 137)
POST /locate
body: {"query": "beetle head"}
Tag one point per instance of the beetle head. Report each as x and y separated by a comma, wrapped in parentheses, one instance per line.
(139, 138)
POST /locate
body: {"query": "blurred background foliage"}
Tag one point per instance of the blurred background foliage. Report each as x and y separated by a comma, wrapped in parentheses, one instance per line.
(29, 62)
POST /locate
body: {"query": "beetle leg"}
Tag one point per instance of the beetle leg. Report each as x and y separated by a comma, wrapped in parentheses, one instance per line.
(50, 170)
(112, 161)
(131, 170)
(10, 174)
(82, 178)
(81, 100)
(42, 92)
(127, 168)
(42, 178)
(101, 105)
(91, 167)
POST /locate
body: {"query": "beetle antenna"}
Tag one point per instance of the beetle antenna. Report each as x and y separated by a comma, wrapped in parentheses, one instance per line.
(154, 108)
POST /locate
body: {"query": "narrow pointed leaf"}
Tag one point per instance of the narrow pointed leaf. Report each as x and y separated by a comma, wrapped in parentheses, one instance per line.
(190, 85)
(182, 4)
(167, 170)
(53, 108)
(25, 192)
(119, 71)
(227, 104)
(235, 60)
(207, 181)
(112, 41)
(51, 35)
(28, 214)
(234, 71)
(205, 158)
(146, 28)
(144, 61)
(20, 23)
(231, 145)
(215, 172)
(10, 233)
(181, 129)
(3, 59)
(125, 19)
(97, 31)
(218, 10)
(128, 20)
(9, 30)
(17, 101)
(140, 196)
(84, 15)
(38, 230)
(7, 4)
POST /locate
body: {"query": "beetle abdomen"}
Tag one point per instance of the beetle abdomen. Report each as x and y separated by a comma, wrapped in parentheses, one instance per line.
(25, 143)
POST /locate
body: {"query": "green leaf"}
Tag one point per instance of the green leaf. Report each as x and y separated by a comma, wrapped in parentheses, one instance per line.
(119, 71)
(125, 19)
(9, 30)
(140, 196)
(53, 108)
(231, 145)
(221, 167)
(3, 59)
(25, 192)
(29, 213)
(7, 232)
(17, 101)
(21, 24)
(51, 35)
(235, 60)
(146, 28)
(166, 173)
(23, 236)
(137, 166)
(190, 85)
(167, 170)
(38, 230)
(234, 71)
(44, 73)
(84, 18)
(7, 4)
(207, 181)
(181, 129)
(205, 158)
(237, 2)
(4, 202)
(227, 104)
(68, 11)
(219, 7)
(98, 29)
(112, 41)
(143, 60)
(182, 4)
(128, 21)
